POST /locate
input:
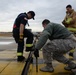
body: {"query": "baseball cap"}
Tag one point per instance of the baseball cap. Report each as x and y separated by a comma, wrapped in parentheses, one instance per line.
(32, 14)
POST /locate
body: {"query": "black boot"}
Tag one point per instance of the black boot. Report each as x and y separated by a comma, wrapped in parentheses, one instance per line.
(21, 59)
(29, 49)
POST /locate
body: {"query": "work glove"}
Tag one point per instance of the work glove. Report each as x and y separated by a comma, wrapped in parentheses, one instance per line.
(21, 38)
(36, 52)
(64, 23)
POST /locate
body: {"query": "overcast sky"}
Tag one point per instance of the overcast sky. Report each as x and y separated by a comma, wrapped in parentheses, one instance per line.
(54, 10)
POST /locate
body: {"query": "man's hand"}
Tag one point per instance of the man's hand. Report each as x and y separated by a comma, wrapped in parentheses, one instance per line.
(36, 53)
(21, 38)
(64, 23)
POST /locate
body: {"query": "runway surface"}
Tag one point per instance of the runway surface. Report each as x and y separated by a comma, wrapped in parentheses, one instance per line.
(7, 43)
(10, 66)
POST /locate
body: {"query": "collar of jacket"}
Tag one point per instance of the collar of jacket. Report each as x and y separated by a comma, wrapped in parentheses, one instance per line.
(26, 15)
(70, 12)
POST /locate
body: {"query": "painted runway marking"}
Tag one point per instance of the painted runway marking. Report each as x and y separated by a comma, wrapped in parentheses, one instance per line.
(4, 43)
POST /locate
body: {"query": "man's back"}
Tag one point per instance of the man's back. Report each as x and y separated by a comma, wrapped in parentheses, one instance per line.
(57, 31)
(20, 19)
(52, 31)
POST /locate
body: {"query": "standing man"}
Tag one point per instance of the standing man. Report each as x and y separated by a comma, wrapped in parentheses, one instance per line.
(20, 32)
(61, 41)
(70, 21)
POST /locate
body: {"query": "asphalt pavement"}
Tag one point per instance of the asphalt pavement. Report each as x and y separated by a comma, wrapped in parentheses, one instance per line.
(7, 43)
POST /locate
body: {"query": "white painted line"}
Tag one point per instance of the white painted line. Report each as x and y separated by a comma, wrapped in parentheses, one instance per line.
(4, 43)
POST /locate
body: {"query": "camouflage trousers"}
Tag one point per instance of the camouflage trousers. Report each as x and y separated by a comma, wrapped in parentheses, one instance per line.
(56, 49)
(73, 50)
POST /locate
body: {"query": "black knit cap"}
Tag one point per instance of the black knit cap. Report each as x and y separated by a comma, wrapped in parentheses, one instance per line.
(32, 14)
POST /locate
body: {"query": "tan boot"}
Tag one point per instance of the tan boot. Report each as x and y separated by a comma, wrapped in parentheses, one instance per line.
(70, 66)
(47, 68)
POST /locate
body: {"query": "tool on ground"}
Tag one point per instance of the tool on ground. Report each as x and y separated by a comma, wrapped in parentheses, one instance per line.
(30, 60)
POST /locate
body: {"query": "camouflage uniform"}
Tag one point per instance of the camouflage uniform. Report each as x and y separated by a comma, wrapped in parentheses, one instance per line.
(60, 42)
(56, 48)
